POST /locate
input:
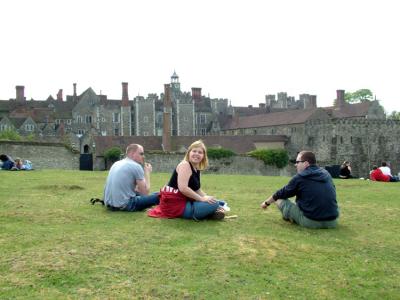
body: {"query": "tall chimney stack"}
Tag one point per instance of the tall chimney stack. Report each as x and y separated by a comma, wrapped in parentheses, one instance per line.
(60, 95)
(339, 99)
(20, 93)
(196, 94)
(125, 98)
(74, 96)
(166, 138)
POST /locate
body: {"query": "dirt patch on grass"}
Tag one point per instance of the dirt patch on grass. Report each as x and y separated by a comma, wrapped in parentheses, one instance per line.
(60, 187)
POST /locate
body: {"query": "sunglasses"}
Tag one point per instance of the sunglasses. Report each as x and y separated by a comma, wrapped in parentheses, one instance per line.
(141, 153)
(299, 161)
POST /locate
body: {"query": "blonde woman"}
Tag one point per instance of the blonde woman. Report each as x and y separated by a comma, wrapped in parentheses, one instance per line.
(183, 196)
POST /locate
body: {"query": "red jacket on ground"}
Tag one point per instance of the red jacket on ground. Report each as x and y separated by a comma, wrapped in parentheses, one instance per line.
(172, 204)
(377, 175)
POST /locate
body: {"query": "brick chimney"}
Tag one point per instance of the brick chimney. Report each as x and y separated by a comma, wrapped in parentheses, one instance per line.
(166, 138)
(60, 95)
(339, 103)
(196, 94)
(20, 93)
(74, 96)
(125, 98)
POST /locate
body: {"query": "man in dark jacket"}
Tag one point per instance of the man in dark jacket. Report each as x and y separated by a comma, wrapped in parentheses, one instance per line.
(316, 205)
(7, 161)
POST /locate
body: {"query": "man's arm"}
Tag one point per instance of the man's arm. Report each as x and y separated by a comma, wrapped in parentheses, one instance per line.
(289, 190)
(143, 185)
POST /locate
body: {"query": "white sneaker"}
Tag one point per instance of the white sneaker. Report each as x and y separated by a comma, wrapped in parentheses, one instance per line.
(226, 207)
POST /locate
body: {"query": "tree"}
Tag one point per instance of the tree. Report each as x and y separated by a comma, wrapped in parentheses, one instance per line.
(113, 154)
(10, 135)
(358, 96)
(395, 115)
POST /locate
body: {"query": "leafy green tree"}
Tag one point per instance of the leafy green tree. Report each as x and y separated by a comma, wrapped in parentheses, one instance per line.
(358, 96)
(10, 135)
(113, 154)
(395, 115)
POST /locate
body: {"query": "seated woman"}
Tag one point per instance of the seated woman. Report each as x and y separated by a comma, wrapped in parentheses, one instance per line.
(18, 164)
(345, 170)
(183, 197)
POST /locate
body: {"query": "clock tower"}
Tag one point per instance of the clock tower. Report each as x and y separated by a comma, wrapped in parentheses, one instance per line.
(175, 85)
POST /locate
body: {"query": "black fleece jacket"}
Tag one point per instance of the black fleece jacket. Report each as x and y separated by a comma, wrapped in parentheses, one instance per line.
(315, 193)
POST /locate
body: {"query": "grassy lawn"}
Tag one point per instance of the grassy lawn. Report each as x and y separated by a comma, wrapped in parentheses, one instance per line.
(56, 245)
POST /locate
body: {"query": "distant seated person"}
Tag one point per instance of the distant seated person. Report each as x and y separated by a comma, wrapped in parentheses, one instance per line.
(22, 165)
(345, 170)
(377, 175)
(7, 161)
(385, 168)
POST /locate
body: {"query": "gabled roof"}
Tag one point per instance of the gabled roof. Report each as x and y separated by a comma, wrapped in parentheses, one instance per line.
(249, 111)
(273, 119)
(350, 110)
(17, 122)
(203, 105)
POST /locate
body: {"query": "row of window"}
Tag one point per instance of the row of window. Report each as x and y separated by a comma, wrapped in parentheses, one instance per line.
(87, 119)
(116, 119)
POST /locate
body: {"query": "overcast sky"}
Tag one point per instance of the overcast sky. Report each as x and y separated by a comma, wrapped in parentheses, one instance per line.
(240, 50)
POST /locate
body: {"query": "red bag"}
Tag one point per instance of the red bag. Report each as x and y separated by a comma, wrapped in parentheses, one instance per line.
(172, 204)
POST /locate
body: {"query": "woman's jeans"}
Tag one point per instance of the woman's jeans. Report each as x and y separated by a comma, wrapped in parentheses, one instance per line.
(199, 210)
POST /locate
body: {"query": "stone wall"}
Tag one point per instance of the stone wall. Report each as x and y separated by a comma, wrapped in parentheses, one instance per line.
(244, 165)
(363, 142)
(42, 155)
(57, 156)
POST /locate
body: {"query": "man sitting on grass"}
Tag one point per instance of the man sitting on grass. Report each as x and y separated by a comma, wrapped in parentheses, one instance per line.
(128, 183)
(316, 205)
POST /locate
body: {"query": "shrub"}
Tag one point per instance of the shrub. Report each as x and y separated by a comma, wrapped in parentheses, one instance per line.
(272, 157)
(113, 154)
(218, 153)
(30, 137)
(10, 135)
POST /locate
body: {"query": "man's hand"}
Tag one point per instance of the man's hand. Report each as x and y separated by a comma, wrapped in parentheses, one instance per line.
(147, 168)
(267, 202)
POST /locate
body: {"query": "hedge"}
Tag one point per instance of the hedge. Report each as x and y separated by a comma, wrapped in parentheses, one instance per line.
(272, 157)
(218, 153)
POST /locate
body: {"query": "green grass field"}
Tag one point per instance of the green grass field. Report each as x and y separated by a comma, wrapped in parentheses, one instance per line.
(56, 245)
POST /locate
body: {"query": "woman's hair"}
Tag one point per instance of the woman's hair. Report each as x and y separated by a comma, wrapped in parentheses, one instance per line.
(345, 163)
(198, 144)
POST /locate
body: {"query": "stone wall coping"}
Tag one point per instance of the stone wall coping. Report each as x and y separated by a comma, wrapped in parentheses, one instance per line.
(33, 143)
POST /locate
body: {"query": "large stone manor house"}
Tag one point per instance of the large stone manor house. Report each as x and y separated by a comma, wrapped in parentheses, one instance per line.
(358, 132)
(96, 115)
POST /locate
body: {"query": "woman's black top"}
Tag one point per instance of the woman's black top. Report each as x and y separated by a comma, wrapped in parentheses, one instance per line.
(344, 171)
(194, 180)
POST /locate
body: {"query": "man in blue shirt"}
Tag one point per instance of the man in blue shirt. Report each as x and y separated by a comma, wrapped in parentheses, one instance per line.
(316, 205)
(128, 182)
